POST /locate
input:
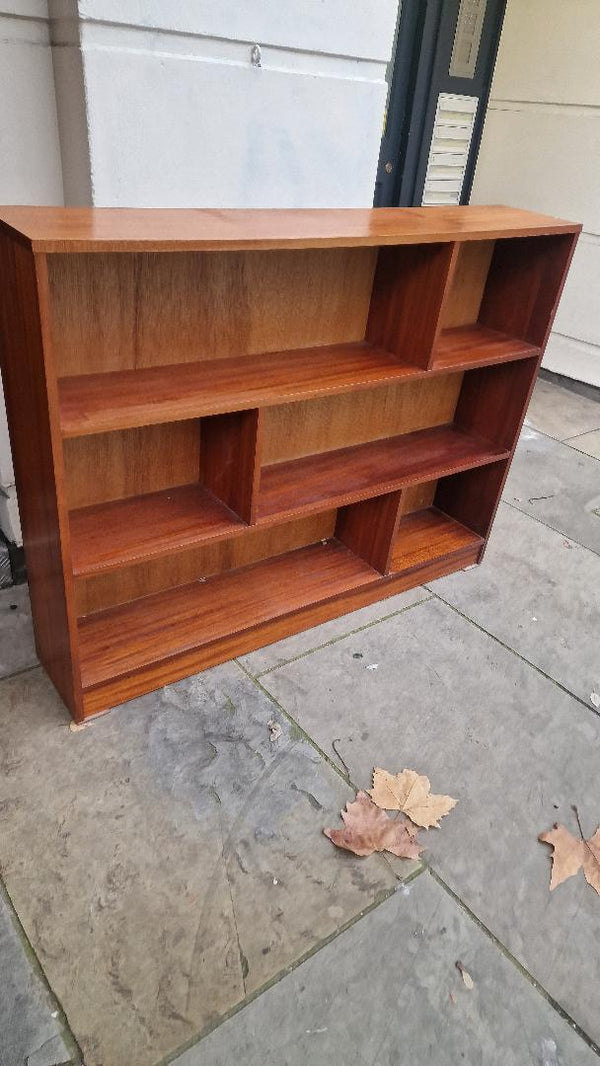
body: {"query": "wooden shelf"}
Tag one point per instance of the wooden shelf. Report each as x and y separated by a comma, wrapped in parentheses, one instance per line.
(125, 639)
(96, 403)
(467, 347)
(334, 479)
(110, 535)
(430, 535)
(85, 229)
(189, 394)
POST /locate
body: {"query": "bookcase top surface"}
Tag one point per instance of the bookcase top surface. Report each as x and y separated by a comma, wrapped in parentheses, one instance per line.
(106, 229)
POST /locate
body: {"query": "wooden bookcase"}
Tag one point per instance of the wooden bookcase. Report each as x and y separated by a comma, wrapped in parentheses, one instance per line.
(231, 425)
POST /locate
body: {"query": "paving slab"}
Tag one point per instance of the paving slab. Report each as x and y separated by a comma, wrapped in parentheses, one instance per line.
(589, 443)
(557, 485)
(273, 655)
(17, 649)
(515, 751)
(561, 413)
(168, 859)
(31, 1033)
(387, 993)
(538, 592)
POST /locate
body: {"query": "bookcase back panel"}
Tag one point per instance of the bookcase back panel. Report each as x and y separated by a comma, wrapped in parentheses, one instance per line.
(126, 311)
(106, 590)
(463, 300)
(129, 462)
(417, 497)
(313, 426)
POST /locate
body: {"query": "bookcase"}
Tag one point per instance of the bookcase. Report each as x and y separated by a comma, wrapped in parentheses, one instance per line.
(228, 426)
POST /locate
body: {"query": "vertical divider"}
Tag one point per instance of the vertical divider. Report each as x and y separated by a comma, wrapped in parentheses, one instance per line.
(493, 401)
(230, 459)
(368, 528)
(409, 289)
(473, 496)
(525, 283)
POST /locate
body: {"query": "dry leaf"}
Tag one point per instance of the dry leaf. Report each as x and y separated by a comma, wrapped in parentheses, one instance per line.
(466, 976)
(410, 792)
(567, 857)
(591, 861)
(570, 854)
(368, 829)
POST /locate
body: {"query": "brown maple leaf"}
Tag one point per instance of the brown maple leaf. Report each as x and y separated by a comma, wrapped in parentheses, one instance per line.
(570, 854)
(368, 829)
(410, 792)
(591, 861)
(567, 857)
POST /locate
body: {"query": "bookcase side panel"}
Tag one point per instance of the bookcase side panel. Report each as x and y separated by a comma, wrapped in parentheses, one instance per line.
(31, 402)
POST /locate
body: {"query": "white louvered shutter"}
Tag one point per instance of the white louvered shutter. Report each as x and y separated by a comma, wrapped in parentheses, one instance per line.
(449, 152)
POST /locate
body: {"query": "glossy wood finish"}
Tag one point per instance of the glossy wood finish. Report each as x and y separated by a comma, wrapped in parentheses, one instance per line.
(524, 286)
(428, 535)
(332, 422)
(467, 279)
(215, 555)
(111, 535)
(190, 307)
(230, 460)
(120, 641)
(84, 229)
(94, 403)
(29, 389)
(405, 315)
(465, 347)
(369, 528)
(473, 496)
(360, 594)
(134, 462)
(245, 423)
(349, 474)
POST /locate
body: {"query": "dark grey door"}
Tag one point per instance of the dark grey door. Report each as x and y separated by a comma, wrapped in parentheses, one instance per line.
(439, 87)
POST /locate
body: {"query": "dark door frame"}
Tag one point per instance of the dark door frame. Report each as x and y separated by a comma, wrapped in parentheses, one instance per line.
(420, 72)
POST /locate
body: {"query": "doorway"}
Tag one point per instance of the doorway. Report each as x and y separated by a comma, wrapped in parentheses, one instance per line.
(439, 82)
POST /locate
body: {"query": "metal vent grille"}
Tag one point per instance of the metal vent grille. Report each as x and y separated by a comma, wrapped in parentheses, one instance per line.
(449, 151)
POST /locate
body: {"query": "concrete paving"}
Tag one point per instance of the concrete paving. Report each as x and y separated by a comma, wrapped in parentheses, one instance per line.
(388, 993)
(170, 897)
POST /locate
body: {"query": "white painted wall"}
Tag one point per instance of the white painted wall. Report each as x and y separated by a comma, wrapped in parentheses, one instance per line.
(541, 150)
(177, 115)
(30, 170)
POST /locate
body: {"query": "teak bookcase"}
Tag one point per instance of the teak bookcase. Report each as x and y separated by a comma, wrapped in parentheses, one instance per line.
(231, 425)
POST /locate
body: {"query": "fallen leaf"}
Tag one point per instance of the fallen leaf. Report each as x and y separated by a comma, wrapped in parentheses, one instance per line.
(591, 861)
(274, 730)
(410, 792)
(368, 829)
(570, 854)
(567, 857)
(466, 976)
